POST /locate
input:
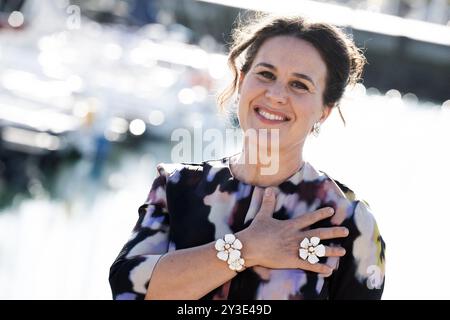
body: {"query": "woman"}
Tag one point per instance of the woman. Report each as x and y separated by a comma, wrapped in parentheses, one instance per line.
(227, 229)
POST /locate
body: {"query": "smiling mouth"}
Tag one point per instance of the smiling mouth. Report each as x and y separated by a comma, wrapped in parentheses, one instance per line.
(269, 117)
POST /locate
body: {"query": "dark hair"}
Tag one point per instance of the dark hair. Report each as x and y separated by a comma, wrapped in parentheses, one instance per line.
(343, 59)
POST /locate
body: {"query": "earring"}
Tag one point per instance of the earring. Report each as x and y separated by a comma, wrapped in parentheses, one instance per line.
(316, 129)
(232, 113)
(236, 102)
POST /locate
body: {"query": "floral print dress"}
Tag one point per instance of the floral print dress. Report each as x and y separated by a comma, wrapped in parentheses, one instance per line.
(194, 204)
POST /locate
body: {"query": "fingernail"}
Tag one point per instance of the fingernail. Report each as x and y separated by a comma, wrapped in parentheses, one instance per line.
(342, 251)
(346, 231)
(326, 275)
(330, 210)
(268, 192)
(328, 272)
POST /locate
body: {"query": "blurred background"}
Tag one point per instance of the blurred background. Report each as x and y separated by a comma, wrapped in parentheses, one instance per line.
(91, 92)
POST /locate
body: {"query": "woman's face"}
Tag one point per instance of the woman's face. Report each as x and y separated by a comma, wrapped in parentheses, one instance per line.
(283, 90)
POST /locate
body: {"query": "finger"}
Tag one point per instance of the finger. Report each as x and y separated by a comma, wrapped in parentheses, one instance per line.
(326, 275)
(318, 267)
(339, 216)
(325, 251)
(332, 262)
(310, 218)
(327, 233)
(268, 203)
(323, 269)
(255, 203)
(334, 251)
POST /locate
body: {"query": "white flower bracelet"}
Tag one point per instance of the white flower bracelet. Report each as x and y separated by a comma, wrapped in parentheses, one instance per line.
(228, 249)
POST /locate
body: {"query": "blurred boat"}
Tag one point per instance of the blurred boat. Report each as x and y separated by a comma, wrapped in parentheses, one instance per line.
(72, 84)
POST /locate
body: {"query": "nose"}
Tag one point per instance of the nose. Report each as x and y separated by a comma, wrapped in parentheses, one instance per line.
(277, 93)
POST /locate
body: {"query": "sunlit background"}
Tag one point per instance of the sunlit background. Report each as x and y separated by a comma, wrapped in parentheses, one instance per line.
(91, 91)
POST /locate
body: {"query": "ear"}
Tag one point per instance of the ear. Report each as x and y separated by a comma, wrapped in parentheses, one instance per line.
(326, 111)
(240, 80)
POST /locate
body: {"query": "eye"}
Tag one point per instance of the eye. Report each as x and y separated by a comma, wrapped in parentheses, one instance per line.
(299, 85)
(267, 75)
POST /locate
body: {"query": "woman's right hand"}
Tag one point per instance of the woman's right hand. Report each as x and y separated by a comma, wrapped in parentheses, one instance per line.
(274, 243)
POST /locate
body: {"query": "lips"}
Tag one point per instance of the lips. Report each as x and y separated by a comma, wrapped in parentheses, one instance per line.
(269, 116)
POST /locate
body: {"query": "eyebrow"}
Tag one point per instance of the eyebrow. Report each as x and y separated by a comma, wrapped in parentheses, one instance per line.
(298, 75)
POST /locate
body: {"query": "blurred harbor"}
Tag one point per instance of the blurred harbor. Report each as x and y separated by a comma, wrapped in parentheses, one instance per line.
(88, 104)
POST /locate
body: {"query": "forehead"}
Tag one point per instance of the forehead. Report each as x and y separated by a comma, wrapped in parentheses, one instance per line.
(290, 54)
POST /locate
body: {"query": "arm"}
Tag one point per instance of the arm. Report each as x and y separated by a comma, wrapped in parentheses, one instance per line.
(132, 269)
(192, 273)
(188, 274)
(360, 274)
(145, 268)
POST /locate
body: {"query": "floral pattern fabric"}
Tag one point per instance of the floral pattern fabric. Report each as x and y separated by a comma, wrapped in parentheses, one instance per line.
(194, 204)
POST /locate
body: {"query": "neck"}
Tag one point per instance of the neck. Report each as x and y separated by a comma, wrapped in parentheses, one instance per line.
(266, 171)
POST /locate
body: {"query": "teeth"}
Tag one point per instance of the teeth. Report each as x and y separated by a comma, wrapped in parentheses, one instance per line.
(270, 116)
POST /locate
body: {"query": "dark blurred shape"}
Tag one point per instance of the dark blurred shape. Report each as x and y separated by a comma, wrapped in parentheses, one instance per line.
(394, 61)
(407, 65)
(6, 8)
(20, 168)
(143, 12)
(130, 12)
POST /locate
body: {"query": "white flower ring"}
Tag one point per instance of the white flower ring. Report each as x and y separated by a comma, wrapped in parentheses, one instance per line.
(310, 250)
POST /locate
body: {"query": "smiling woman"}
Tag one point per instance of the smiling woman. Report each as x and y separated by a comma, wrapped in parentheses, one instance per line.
(227, 229)
(283, 89)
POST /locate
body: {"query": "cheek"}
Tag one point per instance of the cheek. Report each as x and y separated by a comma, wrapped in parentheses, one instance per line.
(248, 92)
(243, 114)
(307, 111)
(250, 88)
(303, 108)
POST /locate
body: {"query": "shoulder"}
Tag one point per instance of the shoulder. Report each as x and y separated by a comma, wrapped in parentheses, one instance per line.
(174, 173)
(327, 183)
(337, 194)
(364, 243)
(170, 175)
